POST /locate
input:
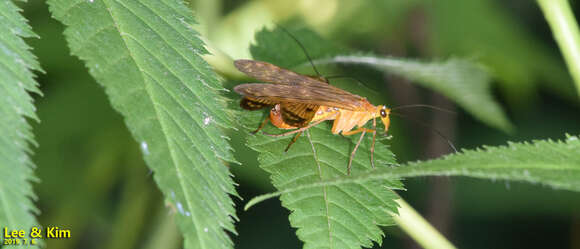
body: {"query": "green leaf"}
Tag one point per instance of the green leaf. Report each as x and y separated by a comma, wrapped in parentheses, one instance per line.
(147, 57)
(16, 80)
(462, 81)
(552, 163)
(347, 216)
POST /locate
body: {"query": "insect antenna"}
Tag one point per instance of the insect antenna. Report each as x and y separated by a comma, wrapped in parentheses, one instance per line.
(344, 76)
(424, 106)
(430, 128)
(303, 49)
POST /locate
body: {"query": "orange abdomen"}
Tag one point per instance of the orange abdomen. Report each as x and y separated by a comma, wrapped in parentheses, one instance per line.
(276, 119)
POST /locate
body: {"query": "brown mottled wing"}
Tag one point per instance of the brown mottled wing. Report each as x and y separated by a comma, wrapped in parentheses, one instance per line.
(323, 94)
(264, 71)
(298, 114)
(253, 104)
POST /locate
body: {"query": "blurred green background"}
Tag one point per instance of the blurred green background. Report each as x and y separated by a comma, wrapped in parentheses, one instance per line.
(94, 181)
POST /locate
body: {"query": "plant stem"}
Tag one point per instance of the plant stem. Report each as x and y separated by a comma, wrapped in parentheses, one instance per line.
(419, 229)
(565, 30)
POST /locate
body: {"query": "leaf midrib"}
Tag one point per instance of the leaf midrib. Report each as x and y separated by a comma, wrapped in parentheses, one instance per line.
(503, 165)
(211, 138)
(163, 127)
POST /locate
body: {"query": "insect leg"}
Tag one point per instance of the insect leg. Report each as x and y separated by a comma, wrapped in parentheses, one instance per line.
(261, 125)
(359, 130)
(373, 144)
(354, 151)
(293, 141)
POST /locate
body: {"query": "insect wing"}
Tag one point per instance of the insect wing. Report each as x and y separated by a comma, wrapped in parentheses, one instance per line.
(325, 95)
(264, 71)
(253, 104)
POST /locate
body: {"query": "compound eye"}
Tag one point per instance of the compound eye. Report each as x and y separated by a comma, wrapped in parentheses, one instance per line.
(383, 113)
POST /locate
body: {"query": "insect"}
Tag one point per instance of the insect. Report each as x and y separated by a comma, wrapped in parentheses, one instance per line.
(299, 102)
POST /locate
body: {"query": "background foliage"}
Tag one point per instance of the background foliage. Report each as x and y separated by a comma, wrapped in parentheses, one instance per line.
(95, 182)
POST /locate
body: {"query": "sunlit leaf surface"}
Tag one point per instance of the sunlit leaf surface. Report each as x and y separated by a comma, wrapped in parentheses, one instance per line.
(147, 57)
(16, 81)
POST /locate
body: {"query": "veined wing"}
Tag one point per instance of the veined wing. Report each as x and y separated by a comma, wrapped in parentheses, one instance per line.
(264, 71)
(253, 104)
(323, 94)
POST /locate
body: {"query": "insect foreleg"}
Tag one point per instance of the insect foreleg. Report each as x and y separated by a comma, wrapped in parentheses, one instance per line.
(359, 130)
(354, 151)
(373, 144)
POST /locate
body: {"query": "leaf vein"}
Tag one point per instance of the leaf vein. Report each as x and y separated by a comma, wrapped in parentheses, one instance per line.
(164, 129)
(89, 38)
(182, 105)
(314, 155)
(174, 49)
(74, 5)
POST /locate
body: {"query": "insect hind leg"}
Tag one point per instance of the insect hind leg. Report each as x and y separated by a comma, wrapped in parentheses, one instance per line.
(354, 152)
